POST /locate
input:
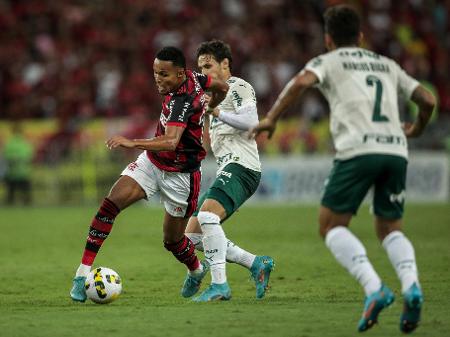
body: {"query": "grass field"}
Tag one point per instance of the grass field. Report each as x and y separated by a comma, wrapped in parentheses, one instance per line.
(310, 295)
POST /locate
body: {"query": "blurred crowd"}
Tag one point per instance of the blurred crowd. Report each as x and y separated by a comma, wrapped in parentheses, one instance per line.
(78, 59)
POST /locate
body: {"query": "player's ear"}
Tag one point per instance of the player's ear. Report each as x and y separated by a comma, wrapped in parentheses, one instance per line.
(180, 72)
(329, 44)
(225, 63)
(360, 38)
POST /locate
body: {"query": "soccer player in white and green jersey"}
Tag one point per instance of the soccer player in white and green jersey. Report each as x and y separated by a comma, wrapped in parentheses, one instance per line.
(238, 177)
(362, 89)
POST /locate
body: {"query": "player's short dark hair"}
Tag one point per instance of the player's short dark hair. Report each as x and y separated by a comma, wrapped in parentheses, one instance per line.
(342, 23)
(173, 55)
(217, 48)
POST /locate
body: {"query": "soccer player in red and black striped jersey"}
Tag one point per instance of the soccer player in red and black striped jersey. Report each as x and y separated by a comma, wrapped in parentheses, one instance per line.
(170, 164)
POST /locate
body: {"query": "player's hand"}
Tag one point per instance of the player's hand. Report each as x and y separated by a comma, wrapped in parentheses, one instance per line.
(411, 130)
(117, 141)
(207, 97)
(264, 125)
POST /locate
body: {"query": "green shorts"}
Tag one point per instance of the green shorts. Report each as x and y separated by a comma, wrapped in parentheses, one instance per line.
(350, 180)
(234, 184)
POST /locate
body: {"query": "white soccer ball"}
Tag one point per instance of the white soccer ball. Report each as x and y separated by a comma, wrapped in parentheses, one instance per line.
(103, 285)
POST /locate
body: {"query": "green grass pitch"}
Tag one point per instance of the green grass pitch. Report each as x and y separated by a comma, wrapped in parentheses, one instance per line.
(310, 295)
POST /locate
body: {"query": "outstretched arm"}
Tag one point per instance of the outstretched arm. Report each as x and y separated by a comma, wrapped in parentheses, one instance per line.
(167, 142)
(426, 103)
(287, 97)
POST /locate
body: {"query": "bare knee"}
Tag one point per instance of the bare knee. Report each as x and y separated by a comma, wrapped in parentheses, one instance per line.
(329, 219)
(385, 226)
(173, 228)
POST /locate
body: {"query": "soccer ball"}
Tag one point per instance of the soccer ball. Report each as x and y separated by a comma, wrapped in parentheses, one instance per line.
(103, 285)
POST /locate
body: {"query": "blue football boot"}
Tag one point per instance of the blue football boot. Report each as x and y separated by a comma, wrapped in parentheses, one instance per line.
(215, 292)
(78, 291)
(260, 273)
(192, 283)
(373, 305)
(412, 305)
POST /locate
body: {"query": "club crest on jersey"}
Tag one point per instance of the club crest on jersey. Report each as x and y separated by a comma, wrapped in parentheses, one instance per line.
(132, 166)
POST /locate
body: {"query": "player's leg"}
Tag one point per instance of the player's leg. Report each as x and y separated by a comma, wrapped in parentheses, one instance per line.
(124, 192)
(215, 247)
(193, 280)
(348, 183)
(260, 267)
(235, 254)
(388, 208)
(234, 185)
(180, 194)
(137, 181)
(401, 254)
(178, 243)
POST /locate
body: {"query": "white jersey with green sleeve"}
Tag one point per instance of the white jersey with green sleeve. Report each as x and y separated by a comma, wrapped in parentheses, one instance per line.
(362, 89)
(229, 144)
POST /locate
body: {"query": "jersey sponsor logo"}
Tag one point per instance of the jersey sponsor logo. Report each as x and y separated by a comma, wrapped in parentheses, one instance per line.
(400, 198)
(359, 53)
(384, 139)
(211, 251)
(237, 98)
(197, 86)
(183, 112)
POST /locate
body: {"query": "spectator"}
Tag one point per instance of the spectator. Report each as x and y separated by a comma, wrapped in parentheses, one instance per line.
(18, 155)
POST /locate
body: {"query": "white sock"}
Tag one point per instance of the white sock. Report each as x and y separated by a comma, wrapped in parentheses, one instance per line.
(351, 254)
(83, 270)
(196, 239)
(237, 255)
(401, 255)
(215, 245)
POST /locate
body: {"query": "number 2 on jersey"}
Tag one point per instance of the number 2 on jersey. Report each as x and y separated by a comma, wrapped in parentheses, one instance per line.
(371, 81)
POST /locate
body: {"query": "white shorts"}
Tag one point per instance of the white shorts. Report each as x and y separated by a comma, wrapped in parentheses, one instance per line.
(179, 191)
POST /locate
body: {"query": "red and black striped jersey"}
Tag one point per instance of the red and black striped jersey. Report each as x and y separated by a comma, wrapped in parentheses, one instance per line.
(183, 108)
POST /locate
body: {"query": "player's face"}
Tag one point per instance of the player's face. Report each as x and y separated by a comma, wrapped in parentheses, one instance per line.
(209, 66)
(167, 76)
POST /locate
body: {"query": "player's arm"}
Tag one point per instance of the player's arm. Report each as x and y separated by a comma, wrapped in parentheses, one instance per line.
(244, 119)
(245, 114)
(167, 142)
(218, 90)
(293, 89)
(426, 103)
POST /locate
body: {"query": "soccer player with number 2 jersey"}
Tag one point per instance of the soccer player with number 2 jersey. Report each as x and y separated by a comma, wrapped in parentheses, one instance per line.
(362, 88)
